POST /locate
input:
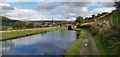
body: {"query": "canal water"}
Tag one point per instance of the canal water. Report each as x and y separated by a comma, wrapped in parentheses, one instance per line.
(50, 43)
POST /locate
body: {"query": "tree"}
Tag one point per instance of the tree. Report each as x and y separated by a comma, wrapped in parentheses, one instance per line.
(98, 15)
(30, 25)
(79, 19)
(104, 13)
(93, 16)
(18, 25)
(117, 5)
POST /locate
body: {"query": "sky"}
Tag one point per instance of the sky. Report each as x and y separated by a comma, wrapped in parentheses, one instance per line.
(61, 10)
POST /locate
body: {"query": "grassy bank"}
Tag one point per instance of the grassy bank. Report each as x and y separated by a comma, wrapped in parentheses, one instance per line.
(97, 42)
(99, 45)
(16, 34)
(74, 48)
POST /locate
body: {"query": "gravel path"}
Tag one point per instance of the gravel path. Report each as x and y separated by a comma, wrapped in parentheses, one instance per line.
(88, 46)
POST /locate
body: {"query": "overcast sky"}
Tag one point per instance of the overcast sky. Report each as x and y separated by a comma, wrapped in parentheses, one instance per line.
(54, 10)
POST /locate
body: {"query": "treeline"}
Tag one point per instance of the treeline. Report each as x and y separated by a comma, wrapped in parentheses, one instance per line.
(8, 24)
(80, 20)
(91, 19)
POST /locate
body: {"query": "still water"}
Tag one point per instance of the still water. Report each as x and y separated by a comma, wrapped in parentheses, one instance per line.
(50, 43)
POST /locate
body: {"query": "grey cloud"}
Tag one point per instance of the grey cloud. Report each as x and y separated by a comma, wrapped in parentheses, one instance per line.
(57, 0)
(68, 13)
(7, 8)
(63, 10)
(46, 5)
(59, 10)
(106, 4)
(52, 5)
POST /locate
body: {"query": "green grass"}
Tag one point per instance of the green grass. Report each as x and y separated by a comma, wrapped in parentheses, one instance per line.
(90, 47)
(98, 43)
(99, 46)
(74, 48)
(116, 18)
(17, 34)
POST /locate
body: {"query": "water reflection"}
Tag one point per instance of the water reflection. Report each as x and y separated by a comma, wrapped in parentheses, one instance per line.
(51, 43)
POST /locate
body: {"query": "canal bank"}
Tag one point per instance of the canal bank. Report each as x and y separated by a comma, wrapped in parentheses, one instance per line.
(7, 35)
(74, 48)
(83, 45)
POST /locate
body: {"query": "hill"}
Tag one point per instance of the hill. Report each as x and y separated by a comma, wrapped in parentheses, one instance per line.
(106, 29)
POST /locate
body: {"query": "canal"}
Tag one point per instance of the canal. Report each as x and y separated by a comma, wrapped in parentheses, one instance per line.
(50, 43)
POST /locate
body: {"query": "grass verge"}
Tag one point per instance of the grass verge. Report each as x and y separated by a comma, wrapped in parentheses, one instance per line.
(99, 46)
(17, 34)
(98, 43)
(74, 48)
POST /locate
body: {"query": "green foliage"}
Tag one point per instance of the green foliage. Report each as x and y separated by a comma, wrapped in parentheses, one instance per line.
(79, 19)
(94, 30)
(117, 5)
(108, 42)
(61, 23)
(116, 19)
(30, 25)
(99, 45)
(110, 39)
(9, 24)
(78, 25)
(93, 16)
(18, 25)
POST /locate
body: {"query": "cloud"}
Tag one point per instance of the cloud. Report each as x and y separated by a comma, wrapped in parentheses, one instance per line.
(58, 0)
(106, 4)
(5, 8)
(100, 10)
(47, 5)
(20, 14)
(67, 10)
(63, 10)
(57, 10)
(25, 14)
(4, 4)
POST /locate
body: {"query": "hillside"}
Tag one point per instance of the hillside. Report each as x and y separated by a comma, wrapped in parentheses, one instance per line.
(6, 21)
(106, 29)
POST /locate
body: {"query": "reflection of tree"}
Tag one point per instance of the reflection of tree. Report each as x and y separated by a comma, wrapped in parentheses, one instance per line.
(7, 45)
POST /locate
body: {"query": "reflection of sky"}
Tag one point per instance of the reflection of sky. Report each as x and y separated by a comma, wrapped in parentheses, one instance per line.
(0, 48)
(50, 43)
(24, 49)
(26, 40)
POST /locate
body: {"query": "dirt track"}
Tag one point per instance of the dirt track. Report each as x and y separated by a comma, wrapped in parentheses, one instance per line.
(91, 48)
